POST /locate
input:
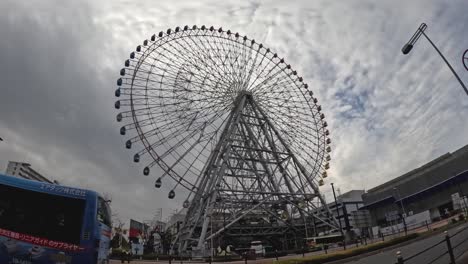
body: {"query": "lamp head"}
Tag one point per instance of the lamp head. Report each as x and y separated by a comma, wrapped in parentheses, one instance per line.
(406, 48)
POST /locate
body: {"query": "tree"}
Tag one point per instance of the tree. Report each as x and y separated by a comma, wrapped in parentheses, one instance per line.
(166, 239)
(119, 240)
(118, 225)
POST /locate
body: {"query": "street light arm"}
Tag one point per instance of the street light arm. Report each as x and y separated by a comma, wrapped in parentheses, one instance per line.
(448, 64)
(409, 46)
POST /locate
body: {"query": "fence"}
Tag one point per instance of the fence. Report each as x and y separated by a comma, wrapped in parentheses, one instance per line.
(445, 251)
(413, 228)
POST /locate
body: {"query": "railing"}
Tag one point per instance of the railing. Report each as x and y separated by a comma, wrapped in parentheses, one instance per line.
(447, 250)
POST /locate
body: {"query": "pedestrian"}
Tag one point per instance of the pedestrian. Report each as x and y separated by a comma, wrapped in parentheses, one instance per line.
(129, 257)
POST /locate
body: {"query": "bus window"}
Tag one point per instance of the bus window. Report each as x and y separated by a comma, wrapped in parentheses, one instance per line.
(103, 213)
(41, 215)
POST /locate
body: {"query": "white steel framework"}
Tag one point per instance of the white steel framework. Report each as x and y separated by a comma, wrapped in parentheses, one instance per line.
(229, 122)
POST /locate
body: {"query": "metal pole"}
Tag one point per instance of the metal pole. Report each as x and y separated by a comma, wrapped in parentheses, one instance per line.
(403, 208)
(448, 64)
(305, 226)
(338, 217)
(399, 258)
(449, 247)
(211, 231)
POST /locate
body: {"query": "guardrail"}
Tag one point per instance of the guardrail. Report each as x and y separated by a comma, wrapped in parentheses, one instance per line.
(447, 250)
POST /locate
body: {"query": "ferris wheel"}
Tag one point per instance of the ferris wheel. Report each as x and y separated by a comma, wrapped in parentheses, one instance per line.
(465, 59)
(229, 124)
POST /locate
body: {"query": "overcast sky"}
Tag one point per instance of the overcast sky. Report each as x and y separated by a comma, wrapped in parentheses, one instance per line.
(388, 113)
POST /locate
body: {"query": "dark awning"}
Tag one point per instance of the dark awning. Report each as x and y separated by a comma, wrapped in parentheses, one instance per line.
(461, 177)
(378, 202)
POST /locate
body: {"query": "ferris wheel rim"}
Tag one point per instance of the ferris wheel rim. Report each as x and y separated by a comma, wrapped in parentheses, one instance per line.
(148, 145)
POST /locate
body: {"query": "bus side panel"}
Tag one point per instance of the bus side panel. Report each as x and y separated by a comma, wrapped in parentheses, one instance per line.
(104, 242)
(14, 251)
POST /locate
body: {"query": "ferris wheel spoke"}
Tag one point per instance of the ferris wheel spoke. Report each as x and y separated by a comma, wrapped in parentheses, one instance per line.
(225, 119)
(166, 139)
(177, 64)
(213, 68)
(272, 74)
(282, 82)
(217, 50)
(228, 53)
(263, 72)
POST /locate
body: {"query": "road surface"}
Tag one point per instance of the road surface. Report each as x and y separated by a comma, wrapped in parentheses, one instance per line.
(389, 256)
(386, 256)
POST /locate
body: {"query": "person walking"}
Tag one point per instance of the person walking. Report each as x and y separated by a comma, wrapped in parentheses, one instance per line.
(129, 256)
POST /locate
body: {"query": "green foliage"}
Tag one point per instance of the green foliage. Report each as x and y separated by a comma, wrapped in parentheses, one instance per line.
(115, 242)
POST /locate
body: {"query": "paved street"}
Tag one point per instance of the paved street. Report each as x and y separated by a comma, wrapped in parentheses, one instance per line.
(389, 256)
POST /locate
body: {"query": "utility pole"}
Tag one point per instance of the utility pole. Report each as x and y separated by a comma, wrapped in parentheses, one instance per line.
(403, 208)
(338, 217)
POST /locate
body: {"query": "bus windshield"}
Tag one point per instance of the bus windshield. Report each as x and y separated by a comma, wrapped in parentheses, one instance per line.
(41, 215)
(104, 214)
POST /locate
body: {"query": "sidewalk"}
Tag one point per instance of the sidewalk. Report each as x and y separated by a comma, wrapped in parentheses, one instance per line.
(422, 229)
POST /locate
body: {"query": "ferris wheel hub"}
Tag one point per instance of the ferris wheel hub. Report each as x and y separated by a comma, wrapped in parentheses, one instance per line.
(231, 123)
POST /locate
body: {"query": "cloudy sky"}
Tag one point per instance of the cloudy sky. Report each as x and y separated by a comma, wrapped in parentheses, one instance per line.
(388, 113)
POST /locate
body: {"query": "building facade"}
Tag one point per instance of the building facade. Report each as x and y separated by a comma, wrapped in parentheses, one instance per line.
(175, 221)
(342, 210)
(25, 171)
(427, 190)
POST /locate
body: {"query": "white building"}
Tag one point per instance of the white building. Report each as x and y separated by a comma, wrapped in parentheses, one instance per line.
(176, 220)
(348, 203)
(25, 171)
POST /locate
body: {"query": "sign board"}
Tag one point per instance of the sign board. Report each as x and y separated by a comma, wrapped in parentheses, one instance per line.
(418, 219)
(459, 202)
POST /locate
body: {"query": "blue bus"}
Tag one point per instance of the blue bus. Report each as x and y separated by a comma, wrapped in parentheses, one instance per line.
(42, 223)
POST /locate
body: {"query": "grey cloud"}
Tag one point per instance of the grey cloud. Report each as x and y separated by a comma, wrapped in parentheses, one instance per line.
(388, 113)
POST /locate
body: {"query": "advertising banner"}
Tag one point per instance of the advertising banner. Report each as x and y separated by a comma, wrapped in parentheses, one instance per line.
(137, 231)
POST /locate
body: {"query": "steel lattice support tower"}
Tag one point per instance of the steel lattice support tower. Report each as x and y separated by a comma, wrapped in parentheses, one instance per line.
(251, 169)
(230, 126)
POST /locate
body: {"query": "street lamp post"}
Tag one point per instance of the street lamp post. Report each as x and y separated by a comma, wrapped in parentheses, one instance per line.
(338, 213)
(420, 31)
(403, 209)
(301, 208)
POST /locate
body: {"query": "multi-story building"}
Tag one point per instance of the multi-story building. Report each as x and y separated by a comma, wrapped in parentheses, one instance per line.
(342, 210)
(25, 171)
(421, 195)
